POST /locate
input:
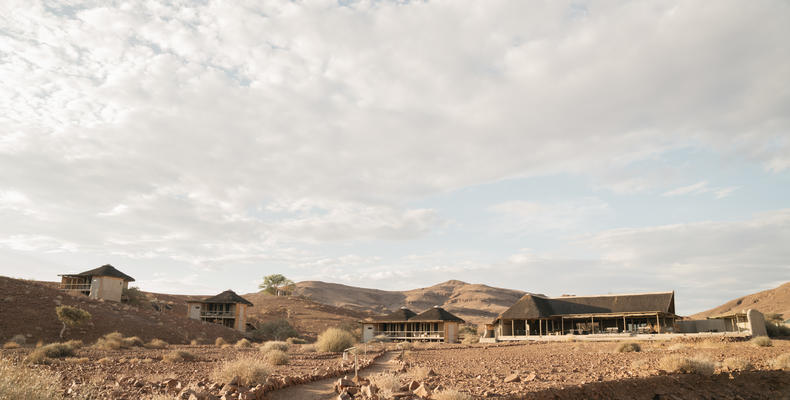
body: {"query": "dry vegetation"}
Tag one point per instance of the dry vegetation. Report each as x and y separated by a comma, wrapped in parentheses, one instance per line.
(19, 382)
(782, 362)
(178, 356)
(628, 347)
(250, 371)
(762, 341)
(334, 340)
(274, 345)
(276, 357)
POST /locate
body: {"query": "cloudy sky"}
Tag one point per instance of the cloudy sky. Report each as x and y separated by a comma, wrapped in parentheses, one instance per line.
(556, 147)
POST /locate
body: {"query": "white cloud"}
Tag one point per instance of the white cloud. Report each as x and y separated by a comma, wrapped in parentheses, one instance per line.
(700, 188)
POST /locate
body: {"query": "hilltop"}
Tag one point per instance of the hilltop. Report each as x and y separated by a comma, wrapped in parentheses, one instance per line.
(775, 300)
(475, 303)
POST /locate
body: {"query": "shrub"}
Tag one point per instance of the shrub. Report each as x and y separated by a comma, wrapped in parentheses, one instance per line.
(133, 296)
(18, 339)
(11, 345)
(295, 340)
(178, 356)
(251, 371)
(387, 384)
(276, 357)
(157, 344)
(686, 365)
(775, 330)
(470, 339)
(628, 347)
(737, 364)
(71, 316)
(243, 344)
(274, 345)
(220, 341)
(334, 340)
(308, 348)
(782, 362)
(116, 341)
(451, 394)
(18, 382)
(274, 330)
(762, 341)
(41, 355)
(133, 341)
(194, 342)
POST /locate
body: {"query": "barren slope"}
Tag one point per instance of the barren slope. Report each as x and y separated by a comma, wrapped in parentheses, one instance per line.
(473, 302)
(28, 308)
(768, 301)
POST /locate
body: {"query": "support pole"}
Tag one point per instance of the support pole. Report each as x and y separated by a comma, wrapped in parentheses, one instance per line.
(562, 325)
(592, 325)
(658, 322)
(540, 327)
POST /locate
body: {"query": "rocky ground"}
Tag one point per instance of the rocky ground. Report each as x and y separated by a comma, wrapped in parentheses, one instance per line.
(140, 373)
(596, 370)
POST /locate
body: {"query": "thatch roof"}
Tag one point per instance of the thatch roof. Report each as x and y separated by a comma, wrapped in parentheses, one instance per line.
(436, 314)
(227, 296)
(104, 270)
(532, 307)
(400, 315)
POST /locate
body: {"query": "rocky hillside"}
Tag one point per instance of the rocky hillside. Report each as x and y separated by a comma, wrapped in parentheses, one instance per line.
(308, 317)
(473, 302)
(775, 300)
(28, 308)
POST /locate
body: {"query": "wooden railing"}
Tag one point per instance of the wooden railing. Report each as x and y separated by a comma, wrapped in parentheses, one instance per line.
(83, 287)
(412, 334)
(217, 314)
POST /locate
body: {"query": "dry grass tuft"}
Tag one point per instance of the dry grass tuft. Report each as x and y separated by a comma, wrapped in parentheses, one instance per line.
(687, 365)
(11, 345)
(295, 340)
(628, 347)
(74, 344)
(77, 360)
(194, 342)
(419, 373)
(276, 357)
(157, 344)
(116, 341)
(219, 342)
(178, 356)
(762, 341)
(334, 340)
(251, 371)
(782, 362)
(387, 384)
(18, 382)
(243, 344)
(570, 338)
(451, 394)
(41, 355)
(274, 345)
(308, 348)
(737, 364)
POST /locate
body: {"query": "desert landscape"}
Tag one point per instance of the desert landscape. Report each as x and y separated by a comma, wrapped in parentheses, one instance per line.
(150, 350)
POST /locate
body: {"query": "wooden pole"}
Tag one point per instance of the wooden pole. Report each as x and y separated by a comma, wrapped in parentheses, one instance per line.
(592, 325)
(625, 325)
(540, 327)
(658, 322)
(562, 325)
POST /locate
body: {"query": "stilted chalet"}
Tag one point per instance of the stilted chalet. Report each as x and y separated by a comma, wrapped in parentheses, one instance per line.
(226, 308)
(434, 324)
(105, 283)
(632, 313)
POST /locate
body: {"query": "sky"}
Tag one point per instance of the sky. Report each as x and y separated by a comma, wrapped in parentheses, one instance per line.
(580, 147)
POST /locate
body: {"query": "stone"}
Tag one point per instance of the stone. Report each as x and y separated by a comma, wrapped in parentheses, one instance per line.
(531, 377)
(422, 391)
(413, 385)
(512, 378)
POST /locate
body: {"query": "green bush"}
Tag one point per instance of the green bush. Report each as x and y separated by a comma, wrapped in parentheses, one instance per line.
(71, 316)
(334, 340)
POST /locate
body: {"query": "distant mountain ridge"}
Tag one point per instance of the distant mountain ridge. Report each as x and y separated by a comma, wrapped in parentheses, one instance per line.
(775, 300)
(475, 303)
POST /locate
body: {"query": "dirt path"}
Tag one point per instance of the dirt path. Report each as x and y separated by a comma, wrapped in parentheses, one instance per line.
(324, 389)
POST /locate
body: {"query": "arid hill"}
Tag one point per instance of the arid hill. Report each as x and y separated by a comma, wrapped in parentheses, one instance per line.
(768, 301)
(28, 308)
(308, 317)
(473, 302)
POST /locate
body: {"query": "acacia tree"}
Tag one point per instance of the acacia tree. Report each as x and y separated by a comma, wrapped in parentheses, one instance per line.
(71, 317)
(276, 284)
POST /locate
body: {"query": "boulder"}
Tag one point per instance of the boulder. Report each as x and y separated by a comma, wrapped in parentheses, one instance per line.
(512, 378)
